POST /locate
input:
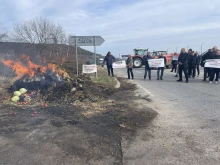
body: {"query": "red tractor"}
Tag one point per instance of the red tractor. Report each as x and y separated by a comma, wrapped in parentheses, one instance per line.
(168, 56)
(140, 53)
(138, 57)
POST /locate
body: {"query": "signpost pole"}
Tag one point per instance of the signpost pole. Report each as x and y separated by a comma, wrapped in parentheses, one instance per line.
(95, 57)
(77, 72)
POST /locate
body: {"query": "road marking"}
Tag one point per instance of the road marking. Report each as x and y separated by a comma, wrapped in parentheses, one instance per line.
(145, 90)
(139, 86)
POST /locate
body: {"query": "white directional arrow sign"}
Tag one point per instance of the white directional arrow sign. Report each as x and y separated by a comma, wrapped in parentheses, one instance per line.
(86, 40)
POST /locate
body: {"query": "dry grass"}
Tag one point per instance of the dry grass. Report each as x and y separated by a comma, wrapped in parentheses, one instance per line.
(103, 78)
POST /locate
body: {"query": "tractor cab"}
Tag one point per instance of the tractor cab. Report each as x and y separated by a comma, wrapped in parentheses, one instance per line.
(140, 52)
(157, 53)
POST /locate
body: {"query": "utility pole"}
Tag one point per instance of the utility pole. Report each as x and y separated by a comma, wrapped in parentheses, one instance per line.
(176, 49)
(201, 48)
(187, 47)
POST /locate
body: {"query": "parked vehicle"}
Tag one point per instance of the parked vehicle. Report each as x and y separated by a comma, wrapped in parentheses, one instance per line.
(140, 53)
(138, 57)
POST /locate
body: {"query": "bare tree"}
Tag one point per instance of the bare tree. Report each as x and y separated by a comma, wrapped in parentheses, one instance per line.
(39, 30)
(3, 37)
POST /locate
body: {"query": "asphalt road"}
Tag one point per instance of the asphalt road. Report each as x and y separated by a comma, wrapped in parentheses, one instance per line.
(187, 129)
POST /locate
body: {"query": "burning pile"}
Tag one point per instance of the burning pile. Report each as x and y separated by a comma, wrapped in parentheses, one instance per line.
(32, 76)
(34, 80)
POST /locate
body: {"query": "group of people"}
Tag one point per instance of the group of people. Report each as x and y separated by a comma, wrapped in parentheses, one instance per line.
(187, 62)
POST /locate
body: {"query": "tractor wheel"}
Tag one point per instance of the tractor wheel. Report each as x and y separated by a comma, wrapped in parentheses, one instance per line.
(138, 62)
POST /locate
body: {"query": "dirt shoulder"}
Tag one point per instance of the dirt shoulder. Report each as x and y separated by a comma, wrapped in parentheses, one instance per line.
(87, 131)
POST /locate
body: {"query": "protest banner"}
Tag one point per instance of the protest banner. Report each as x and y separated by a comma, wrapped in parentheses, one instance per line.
(119, 64)
(89, 69)
(155, 63)
(212, 63)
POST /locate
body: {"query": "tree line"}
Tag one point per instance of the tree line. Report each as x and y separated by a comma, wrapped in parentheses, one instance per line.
(37, 31)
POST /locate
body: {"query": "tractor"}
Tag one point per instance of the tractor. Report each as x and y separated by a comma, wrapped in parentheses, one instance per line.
(168, 56)
(138, 57)
(140, 53)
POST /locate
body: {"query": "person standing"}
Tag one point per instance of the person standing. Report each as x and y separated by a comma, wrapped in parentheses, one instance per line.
(129, 63)
(147, 68)
(183, 65)
(174, 62)
(161, 69)
(190, 67)
(204, 58)
(109, 59)
(198, 60)
(214, 72)
(193, 65)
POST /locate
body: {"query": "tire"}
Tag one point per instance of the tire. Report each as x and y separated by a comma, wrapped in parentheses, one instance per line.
(137, 62)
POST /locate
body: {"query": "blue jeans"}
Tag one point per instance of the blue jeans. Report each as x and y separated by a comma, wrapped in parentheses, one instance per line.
(147, 71)
(158, 72)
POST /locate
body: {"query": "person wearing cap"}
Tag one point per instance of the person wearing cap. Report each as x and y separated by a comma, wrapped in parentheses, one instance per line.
(129, 63)
(109, 59)
(183, 65)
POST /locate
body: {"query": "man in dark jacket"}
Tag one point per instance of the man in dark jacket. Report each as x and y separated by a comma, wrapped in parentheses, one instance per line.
(190, 54)
(147, 68)
(214, 72)
(198, 60)
(183, 65)
(161, 69)
(109, 59)
(208, 55)
(192, 64)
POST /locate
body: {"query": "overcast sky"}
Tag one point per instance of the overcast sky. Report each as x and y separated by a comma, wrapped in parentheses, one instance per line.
(126, 24)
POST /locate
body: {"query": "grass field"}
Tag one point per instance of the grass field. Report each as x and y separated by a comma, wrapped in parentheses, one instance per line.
(103, 78)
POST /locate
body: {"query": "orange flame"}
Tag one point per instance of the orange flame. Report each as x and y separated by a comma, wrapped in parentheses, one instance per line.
(21, 69)
(57, 70)
(27, 67)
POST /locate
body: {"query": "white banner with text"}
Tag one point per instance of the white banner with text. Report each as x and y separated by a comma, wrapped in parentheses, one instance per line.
(89, 68)
(156, 63)
(212, 63)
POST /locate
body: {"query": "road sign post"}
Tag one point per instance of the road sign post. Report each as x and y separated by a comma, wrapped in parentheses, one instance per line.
(95, 54)
(86, 41)
(77, 67)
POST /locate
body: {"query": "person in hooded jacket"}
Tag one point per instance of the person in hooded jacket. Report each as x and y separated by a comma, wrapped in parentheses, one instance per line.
(147, 68)
(109, 59)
